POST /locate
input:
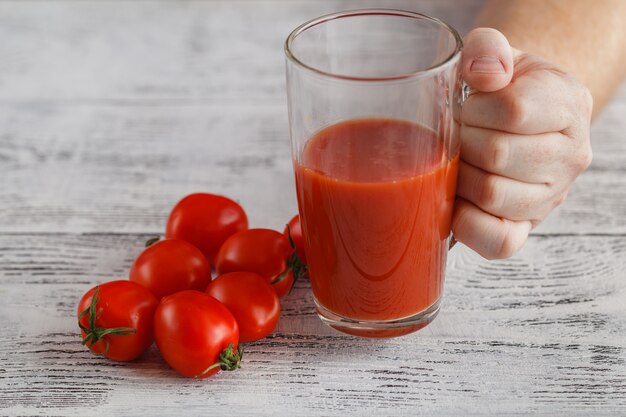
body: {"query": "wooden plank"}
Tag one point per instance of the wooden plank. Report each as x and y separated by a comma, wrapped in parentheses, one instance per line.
(542, 333)
(110, 112)
(107, 119)
(120, 168)
(218, 50)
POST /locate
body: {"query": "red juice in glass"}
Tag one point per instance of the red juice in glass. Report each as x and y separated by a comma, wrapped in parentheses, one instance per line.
(376, 197)
(374, 101)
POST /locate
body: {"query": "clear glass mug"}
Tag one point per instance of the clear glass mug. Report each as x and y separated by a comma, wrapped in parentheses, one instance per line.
(373, 96)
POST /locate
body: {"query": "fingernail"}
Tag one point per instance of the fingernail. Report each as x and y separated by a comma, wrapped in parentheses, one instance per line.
(486, 64)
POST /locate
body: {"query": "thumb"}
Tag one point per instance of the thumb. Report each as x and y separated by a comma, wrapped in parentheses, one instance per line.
(487, 60)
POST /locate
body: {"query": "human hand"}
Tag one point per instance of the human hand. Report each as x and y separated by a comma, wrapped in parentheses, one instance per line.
(524, 140)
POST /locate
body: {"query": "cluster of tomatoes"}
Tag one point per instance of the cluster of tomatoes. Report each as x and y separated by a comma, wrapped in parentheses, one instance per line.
(197, 322)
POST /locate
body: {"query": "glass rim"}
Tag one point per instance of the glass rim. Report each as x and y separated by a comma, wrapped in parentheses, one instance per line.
(373, 12)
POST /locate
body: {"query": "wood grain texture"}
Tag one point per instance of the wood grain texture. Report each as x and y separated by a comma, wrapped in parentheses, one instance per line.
(107, 119)
(120, 168)
(110, 111)
(228, 51)
(541, 334)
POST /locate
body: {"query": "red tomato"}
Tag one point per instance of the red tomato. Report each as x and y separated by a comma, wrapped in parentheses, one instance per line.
(251, 299)
(170, 266)
(283, 283)
(196, 334)
(115, 319)
(205, 221)
(294, 228)
(263, 251)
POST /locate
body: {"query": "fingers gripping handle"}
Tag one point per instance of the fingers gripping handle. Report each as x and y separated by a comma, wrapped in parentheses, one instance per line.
(465, 92)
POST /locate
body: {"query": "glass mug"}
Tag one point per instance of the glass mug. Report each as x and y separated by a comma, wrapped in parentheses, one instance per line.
(373, 97)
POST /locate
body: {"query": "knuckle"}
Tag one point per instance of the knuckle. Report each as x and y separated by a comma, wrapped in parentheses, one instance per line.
(525, 204)
(587, 159)
(579, 97)
(510, 241)
(586, 100)
(560, 199)
(497, 153)
(490, 195)
(583, 159)
(553, 150)
(515, 108)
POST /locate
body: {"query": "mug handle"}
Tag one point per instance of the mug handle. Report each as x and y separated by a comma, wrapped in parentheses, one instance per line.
(466, 91)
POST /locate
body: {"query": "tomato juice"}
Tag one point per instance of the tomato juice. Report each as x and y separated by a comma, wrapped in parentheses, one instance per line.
(376, 197)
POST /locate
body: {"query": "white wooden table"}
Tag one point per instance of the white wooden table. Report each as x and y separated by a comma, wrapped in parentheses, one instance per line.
(112, 111)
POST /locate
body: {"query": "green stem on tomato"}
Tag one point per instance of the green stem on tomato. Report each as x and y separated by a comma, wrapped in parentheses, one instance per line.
(294, 263)
(152, 241)
(229, 360)
(94, 334)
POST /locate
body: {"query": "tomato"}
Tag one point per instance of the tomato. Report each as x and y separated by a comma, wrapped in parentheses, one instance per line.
(251, 299)
(283, 283)
(170, 266)
(294, 228)
(115, 319)
(196, 334)
(263, 251)
(205, 221)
